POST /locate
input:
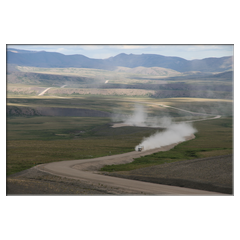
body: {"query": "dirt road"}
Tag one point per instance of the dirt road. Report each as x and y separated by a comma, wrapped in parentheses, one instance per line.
(40, 94)
(88, 170)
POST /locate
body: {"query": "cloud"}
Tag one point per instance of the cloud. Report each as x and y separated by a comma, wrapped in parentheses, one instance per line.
(131, 46)
(204, 47)
(60, 50)
(92, 47)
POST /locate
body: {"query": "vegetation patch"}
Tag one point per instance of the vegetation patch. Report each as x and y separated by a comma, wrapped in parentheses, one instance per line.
(37, 140)
(212, 139)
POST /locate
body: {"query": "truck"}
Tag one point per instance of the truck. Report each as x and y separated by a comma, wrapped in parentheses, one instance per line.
(140, 148)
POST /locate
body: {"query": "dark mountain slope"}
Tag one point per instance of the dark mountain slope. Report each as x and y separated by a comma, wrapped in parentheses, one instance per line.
(53, 60)
(44, 59)
(207, 64)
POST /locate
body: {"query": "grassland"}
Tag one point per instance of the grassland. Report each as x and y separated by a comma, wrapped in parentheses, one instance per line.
(33, 140)
(36, 140)
(90, 102)
(214, 138)
(102, 103)
(126, 104)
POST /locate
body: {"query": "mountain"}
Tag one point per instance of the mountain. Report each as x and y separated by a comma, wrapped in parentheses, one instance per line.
(174, 63)
(58, 60)
(148, 60)
(48, 59)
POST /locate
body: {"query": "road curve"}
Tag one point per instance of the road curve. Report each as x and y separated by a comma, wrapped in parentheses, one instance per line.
(79, 169)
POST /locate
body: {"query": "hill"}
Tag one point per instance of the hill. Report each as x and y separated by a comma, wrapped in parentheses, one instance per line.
(153, 71)
(225, 75)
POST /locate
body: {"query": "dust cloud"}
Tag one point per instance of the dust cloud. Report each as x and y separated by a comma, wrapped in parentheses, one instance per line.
(173, 133)
(140, 118)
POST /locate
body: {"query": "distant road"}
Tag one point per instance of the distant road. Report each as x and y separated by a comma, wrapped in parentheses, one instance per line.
(183, 110)
(40, 94)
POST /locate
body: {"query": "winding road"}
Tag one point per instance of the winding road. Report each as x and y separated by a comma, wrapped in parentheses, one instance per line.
(87, 170)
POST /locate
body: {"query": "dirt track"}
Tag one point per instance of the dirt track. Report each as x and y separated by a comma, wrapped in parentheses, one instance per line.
(35, 182)
(212, 174)
(42, 93)
(71, 173)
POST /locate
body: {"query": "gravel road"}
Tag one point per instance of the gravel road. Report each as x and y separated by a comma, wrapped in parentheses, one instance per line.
(36, 182)
(79, 177)
(210, 174)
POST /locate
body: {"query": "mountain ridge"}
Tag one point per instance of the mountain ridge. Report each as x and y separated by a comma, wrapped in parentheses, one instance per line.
(59, 60)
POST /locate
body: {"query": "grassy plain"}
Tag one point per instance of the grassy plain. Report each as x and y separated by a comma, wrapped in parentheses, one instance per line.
(37, 140)
(85, 102)
(214, 138)
(33, 140)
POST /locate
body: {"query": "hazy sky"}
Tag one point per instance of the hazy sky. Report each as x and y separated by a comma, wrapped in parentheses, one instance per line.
(188, 52)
